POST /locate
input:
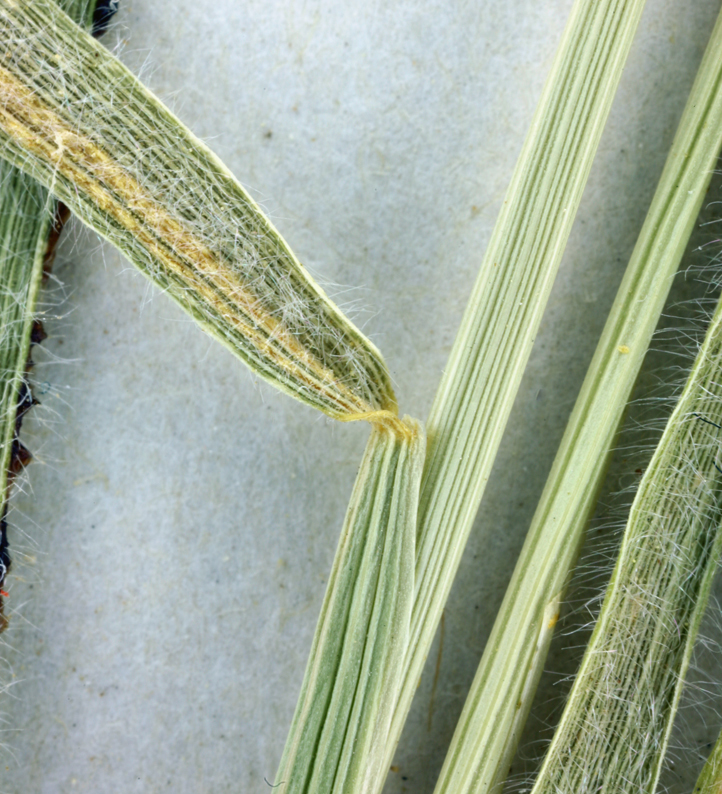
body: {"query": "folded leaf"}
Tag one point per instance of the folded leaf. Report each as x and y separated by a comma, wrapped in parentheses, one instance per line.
(73, 117)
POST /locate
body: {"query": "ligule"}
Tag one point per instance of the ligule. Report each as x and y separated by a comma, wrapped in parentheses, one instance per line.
(73, 117)
(615, 727)
(339, 733)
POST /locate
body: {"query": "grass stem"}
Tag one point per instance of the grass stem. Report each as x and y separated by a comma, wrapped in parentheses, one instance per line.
(339, 732)
(615, 727)
(504, 686)
(497, 331)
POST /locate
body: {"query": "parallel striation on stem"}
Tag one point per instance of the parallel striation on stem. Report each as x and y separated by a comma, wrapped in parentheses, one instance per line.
(492, 346)
(500, 697)
(339, 733)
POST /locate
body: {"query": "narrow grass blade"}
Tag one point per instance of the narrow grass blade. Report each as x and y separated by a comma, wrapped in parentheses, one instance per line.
(73, 117)
(26, 215)
(339, 733)
(615, 727)
(504, 686)
(497, 331)
(710, 779)
(24, 225)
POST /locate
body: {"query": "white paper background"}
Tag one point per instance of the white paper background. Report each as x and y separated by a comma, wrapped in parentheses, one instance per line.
(174, 534)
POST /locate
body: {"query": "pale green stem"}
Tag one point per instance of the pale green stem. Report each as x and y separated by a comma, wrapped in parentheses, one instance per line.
(497, 331)
(710, 779)
(498, 703)
(615, 727)
(73, 117)
(26, 214)
(340, 729)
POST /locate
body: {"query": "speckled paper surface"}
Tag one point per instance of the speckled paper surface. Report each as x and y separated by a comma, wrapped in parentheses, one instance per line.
(174, 534)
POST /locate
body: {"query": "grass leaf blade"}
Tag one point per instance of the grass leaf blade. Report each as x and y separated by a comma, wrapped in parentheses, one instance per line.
(498, 703)
(73, 117)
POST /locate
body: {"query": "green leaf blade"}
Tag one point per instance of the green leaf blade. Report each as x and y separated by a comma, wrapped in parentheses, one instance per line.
(73, 117)
(500, 697)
